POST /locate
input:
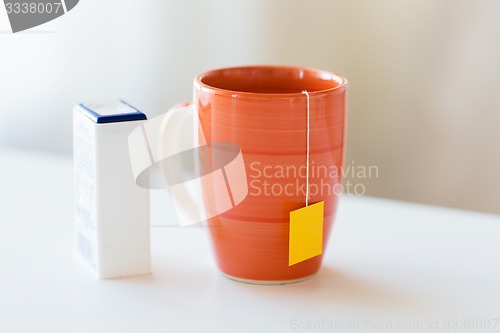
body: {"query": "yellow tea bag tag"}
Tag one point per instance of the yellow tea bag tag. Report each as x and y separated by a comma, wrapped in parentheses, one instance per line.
(306, 224)
(306, 233)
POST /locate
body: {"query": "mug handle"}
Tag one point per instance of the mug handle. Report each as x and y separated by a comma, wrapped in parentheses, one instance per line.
(178, 137)
(158, 143)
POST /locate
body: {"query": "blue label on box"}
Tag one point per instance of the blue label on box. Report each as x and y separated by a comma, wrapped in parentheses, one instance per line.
(112, 112)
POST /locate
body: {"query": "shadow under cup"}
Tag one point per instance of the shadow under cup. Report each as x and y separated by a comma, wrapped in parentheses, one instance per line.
(263, 110)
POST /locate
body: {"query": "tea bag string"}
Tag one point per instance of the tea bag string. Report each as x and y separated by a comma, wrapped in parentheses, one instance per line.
(308, 145)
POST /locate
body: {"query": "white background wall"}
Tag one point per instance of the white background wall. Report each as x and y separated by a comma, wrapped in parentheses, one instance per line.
(424, 103)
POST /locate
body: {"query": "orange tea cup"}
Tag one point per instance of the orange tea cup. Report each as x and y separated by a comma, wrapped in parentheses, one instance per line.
(263, 109)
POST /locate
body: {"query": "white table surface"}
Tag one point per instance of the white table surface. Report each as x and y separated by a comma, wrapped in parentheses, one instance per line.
(388, 263)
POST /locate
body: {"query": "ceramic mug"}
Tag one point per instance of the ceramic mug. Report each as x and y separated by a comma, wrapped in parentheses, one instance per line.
(263, 110)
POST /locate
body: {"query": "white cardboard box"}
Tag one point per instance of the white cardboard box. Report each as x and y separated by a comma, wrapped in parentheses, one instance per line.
(111, 211)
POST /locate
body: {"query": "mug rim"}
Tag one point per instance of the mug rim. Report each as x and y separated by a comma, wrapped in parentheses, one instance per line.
(199, 84)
